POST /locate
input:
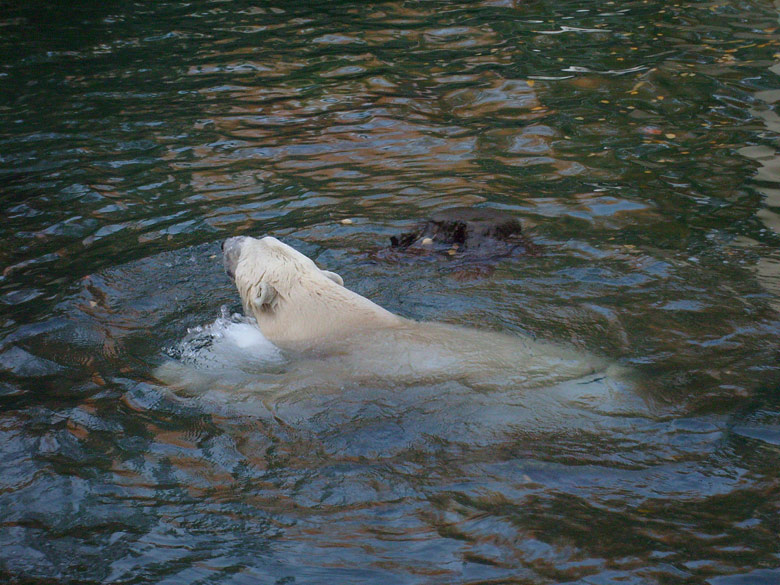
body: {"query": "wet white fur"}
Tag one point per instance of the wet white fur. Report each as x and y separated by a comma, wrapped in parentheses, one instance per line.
(308, 309)
(339, 335)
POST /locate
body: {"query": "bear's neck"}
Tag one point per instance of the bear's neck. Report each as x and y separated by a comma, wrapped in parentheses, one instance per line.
(321, 318)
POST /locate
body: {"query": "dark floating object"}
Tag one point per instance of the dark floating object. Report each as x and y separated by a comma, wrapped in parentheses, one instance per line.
(466, 233)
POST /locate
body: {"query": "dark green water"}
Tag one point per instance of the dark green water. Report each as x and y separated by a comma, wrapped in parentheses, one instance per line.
(636, 141)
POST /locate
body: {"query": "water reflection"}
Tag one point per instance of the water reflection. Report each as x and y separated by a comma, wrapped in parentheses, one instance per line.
(635, 142)
(768, 267)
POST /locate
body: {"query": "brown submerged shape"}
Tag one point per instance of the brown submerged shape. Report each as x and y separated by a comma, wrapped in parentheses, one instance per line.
(479, 235)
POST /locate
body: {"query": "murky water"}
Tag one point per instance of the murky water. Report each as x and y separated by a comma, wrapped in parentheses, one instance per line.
(637, 143)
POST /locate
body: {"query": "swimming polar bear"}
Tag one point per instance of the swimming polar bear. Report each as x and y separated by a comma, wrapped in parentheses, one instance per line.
(335, 334)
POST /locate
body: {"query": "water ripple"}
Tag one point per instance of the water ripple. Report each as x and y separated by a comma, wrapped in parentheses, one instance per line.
(637, 145)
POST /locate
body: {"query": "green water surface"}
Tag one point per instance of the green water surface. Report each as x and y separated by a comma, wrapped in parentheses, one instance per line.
(636, 142)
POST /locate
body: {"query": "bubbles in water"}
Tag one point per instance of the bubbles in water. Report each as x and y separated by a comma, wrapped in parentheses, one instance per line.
(232, 342)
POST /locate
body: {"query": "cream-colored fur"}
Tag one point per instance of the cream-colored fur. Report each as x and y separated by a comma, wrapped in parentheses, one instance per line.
(339, 334)
(298, 306)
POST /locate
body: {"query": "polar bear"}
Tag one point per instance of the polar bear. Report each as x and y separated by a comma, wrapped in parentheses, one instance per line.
(340, 335)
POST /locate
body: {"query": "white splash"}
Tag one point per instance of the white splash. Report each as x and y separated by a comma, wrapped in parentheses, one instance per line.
(230, 348)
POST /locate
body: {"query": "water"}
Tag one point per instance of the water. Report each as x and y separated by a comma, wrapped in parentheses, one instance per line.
(636, 142)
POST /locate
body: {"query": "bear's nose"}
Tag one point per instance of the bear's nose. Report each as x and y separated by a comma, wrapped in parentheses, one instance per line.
(231, 250)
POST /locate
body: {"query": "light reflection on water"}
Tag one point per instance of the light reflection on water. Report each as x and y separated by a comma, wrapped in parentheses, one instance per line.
(636, 143)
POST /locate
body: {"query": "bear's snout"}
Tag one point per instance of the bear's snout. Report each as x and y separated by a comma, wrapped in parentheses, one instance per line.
(231, 252)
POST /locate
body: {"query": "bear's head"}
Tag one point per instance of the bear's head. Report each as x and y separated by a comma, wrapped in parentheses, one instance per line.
(261, 268)
(296, 304)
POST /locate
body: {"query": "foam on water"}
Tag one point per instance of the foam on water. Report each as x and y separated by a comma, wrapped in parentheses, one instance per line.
(229, 349)
(231, 341)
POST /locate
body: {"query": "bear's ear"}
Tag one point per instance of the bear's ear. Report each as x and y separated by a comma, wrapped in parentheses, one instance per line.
(265, 296)
(334, 277)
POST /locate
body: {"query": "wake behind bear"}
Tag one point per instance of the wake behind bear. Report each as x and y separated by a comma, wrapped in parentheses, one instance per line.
(334, 336)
